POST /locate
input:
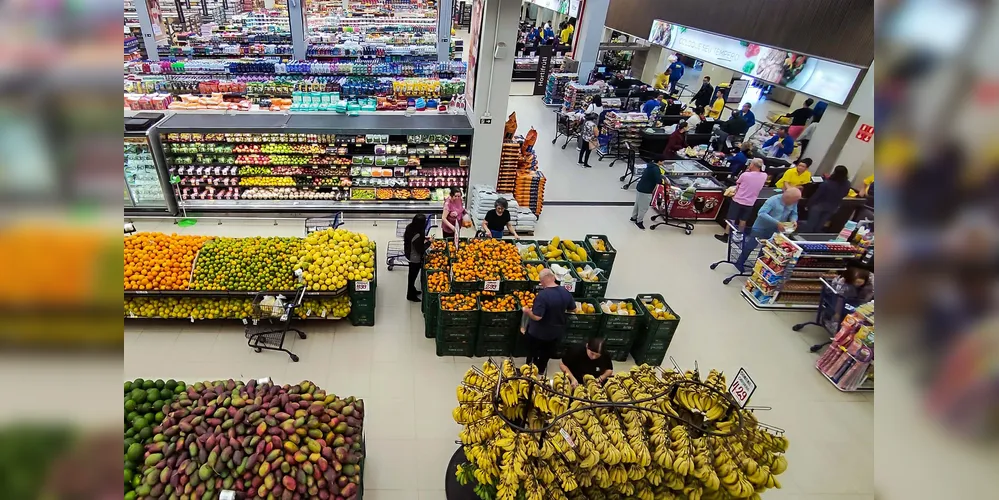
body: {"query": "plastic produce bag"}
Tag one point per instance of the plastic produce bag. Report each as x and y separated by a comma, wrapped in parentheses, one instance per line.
(562, 274)
(590, 273)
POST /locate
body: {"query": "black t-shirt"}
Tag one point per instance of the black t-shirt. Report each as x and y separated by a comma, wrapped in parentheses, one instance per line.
(497, 222)
(579, 363)
(551, 304)
(800, 116)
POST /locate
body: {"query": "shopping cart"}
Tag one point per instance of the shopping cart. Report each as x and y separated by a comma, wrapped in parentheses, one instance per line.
(395, 253)
(732, 250)
(567, 125)
(833, 307)
(268, 324)
(664, 200)
(630, 173)
(314, 224)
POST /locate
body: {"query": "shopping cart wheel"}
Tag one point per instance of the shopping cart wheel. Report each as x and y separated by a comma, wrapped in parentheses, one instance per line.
(714, 265)
(727, 280)
(294, 358)
(390, 266)
(816, 347)
(555, 140)
(798, 328)
(256, 349)
(687, 231)
(301, 335)
(564, 145)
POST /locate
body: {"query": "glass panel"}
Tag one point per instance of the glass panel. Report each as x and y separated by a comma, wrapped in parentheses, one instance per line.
(140, 173)
(226, 28)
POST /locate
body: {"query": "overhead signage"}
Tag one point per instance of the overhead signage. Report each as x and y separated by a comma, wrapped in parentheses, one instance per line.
(827, 80)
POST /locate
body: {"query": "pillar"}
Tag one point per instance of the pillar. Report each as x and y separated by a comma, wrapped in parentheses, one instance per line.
(492, 88)
(589, 32)
(444, 20)
(655, 63)
(149, 32)
(834, 141)
(296, 23)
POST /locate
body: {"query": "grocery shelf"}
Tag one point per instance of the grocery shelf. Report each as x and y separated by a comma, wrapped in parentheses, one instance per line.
(758, 306)
(865, 387)
(392, 124)
(322, 205)
(229, 293)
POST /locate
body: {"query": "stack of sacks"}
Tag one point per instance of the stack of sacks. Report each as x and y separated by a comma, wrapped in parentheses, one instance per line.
(523, 219)
(482, 199)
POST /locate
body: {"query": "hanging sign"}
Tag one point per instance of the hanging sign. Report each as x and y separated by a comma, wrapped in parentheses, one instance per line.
(545, 55)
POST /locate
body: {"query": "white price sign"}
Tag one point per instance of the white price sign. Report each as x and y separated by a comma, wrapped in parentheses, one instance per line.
(491, 286)
(568, 439)
(265, 380)
(570, 286)
(227, 495)
(742, 388)
(362, 286)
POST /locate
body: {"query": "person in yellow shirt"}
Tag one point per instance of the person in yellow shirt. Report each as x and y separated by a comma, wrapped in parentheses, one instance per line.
(797, 176)
(662, 81)
(566, 34)
(718, 106)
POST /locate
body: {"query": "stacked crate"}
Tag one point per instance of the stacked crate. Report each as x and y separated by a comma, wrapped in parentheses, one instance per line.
(602, 259)
(455, 331)
(497, 332)
(580, 328)
(655, 336)
(619, 331)
(362, 299)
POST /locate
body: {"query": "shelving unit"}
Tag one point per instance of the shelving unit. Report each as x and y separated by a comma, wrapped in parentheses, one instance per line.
(788, 271)
(303, 163)
(848, 362)
(555, 88)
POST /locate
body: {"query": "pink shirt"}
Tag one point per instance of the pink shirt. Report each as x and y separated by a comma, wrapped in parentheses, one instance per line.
(455, 209)
(748, 187)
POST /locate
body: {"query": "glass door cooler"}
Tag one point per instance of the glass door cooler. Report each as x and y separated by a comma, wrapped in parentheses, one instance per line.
(145, 187)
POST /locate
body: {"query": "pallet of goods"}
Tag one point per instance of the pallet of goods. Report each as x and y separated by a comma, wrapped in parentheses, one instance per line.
(200, 277)
(250, 439)
(555, 87)
(530, 190)
(647, 433)
(509, 165)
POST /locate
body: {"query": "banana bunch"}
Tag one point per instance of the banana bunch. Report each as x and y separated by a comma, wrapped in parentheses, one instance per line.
(716, 380)
(481, 431)
(467, 413)
(683, 464)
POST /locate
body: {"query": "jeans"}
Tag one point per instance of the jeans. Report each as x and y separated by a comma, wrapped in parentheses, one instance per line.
(539, 351)
(642, 203)
(414, 275)
(817, 219)
(496, 234)
(584, 153)
(749, 244)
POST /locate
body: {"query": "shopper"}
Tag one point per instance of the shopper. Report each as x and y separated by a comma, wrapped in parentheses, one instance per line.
(676, 69)
(414, 245)
(547, 320)
(735, 125)
(548, 32)
(596, 107)
(718, 106)
(806, 137)
(646, 186)
(677, 141)
(588, 140)
(737, 162)
(799, 118)
(566, 34)
(703, 96)
(454, 213)
(696, 118)
(747, 190)
(587, 359)
(498, 219)
(778, 213)
(827, 200)
(797, 176)
(781, 145)
(650, 106)
(747, 114)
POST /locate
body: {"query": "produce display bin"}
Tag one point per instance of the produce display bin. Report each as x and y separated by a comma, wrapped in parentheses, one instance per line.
(458, 318)
(498, 334)
(508, 286)
(603, 260)
(579, 336)
(618, 338)
(362, 317)
(507, 319)
(485, 349)
(465, 286)
(659, 328)
(455, 333)
(431, 309)
(565, 250)
(577, 290)
(585, 322)
(620, 322)
(363, 299)
(542, 243)
(533, 284)
(593, 289)
(619, 354)
(648, 357)
(455, 348)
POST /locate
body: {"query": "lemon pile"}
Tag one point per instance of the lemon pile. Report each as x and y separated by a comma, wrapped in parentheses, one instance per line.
(332, 257)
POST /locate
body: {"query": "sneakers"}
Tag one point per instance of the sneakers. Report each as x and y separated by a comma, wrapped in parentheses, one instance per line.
(722, 237)
(633, 219)
(640, 224)
(587, 166)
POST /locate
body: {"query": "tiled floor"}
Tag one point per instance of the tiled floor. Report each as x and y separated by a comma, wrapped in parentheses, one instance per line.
(409, 391)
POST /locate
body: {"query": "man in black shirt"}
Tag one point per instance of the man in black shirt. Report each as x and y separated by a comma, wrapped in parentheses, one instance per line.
(799, 118)
(703, 96)
(498, 219)
(587, 359)
(547, 320)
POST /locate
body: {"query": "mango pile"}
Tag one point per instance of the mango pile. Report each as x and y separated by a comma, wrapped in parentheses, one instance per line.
(659, 310)
(552, 251)
(530, 253)
(588, 274)
(620, 308)
(533, 270)
(574, 252)
(144, 401)
(584, 308)
(332, 257)
(259, 440)
(158, 261)
(598, 244)
(249, 264)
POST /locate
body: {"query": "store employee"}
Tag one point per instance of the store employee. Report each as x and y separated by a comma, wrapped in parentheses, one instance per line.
(498, 219)
(587, 359)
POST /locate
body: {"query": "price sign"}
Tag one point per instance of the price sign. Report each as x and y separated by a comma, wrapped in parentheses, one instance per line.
(742, 388)
(227, 495)
(265, 380)
(362, 286)
(570, 286)
(491, 286)
(568, 440)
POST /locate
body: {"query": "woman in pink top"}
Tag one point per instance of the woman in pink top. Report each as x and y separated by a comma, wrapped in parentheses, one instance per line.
(747, 190)
(454, 211)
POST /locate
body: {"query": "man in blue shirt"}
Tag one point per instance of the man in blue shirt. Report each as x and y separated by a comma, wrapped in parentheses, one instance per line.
(786, 145)
(747, 114)
(549, 32)
(676, 72)
(780, 211)
(547, 320)
(652, 104)
(737, 162)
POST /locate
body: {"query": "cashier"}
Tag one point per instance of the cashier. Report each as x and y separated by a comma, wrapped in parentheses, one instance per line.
(737, 162)
(677, 141)
(797, 176)
(780, 145)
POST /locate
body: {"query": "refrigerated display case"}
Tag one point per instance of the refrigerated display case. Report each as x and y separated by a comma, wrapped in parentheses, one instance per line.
(144, 183)
(301, 163)
(707, 201)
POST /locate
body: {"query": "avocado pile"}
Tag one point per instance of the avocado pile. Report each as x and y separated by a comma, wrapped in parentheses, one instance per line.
(259, 440)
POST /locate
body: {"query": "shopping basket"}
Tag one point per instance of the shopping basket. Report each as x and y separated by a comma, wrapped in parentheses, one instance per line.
(314, 224)
(269, 322)
(567, 125)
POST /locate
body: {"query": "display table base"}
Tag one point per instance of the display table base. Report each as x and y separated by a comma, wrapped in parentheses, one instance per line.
(453, 490)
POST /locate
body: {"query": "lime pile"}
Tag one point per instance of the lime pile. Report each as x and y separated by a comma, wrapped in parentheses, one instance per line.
(257, 263)
(189, 307)
(332, 257)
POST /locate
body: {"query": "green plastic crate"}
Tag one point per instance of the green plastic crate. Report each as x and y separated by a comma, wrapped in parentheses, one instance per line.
(507, 319)
(661, 328)
(362, 317)
(577, 290)
(619, 354)
(529, 242)
(649, 357)
(430, 327)
(498, 334)
(542, 243)
(594, 289)
(507, 286)
(565, 250)
(585, 321)
(465, 286)
(619, 322)
(362, 298)
(458, 318)
(533, 284)
(486, 349)
(603, 260)
(455, 333)
(455, 349)
(618, 337)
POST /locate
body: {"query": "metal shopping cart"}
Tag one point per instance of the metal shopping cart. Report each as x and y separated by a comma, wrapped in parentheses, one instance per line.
(395, 254)
(664, 200)
(269, 322)
(320, 223)
(833, 307)
(567, 125)
(732, 250)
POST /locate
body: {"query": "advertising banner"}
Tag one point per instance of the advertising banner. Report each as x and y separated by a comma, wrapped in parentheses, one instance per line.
(827, 80)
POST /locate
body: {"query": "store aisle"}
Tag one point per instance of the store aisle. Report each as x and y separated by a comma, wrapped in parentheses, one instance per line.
(409, 391)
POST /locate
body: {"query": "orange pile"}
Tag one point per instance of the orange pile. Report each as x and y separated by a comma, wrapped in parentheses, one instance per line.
(458, 302)
(526, 298)
(438, 283)
(504, 303)
(436, 260)
(442, 244)
(491, 259)
(157, 261)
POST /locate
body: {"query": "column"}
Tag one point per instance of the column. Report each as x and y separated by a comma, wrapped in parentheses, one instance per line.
(492, 87)
(589, 31)
(149, 30)
(834, 141)
(296, 22)
(655, 63)
(444, 20)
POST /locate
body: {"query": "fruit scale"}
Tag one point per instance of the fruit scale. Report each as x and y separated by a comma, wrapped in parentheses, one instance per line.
(270, 320)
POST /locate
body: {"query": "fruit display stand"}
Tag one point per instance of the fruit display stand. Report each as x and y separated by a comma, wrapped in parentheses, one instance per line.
(788, 272)
(233, 439)
(305, 163)
(656, 332)
(647, 433)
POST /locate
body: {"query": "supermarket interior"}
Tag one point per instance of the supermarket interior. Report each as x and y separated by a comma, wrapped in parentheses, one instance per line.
(391, 248)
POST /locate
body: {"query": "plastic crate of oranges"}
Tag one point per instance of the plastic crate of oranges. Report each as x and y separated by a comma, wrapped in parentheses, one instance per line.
(525, 297)
(438, 282)
(436, 260)
(459, 309)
